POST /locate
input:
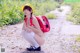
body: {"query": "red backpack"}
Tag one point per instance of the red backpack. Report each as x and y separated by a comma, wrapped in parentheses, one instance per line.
(45, 27)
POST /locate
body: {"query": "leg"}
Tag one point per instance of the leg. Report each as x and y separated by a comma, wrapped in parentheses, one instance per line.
(39, 39)
(30, 38)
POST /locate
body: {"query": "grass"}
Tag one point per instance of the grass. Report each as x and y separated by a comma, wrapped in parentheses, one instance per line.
(11, 13)
(51, 16)
(74, 16)
(77, 44)
(78, 38)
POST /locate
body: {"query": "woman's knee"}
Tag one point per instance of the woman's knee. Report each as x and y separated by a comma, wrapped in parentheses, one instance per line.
(40, 34)
(39, 39)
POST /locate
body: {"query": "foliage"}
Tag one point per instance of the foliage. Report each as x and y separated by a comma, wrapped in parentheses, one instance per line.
(75, 13)
(11, 13)
(51, 16)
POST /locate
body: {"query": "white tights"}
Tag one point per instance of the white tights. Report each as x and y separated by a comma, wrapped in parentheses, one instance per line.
(30, 38)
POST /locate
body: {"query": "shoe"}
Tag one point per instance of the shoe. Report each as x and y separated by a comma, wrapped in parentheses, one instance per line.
(32, 48)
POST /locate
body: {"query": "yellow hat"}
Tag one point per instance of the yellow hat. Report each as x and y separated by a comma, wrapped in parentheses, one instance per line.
(27, 5)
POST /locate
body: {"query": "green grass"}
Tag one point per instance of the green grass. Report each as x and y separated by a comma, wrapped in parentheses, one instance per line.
(51, 16)
(74, 16)
(78, 38)
(77, 43)
(11, 13)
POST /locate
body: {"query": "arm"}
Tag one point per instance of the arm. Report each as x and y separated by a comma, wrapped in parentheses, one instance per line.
(37, 27)
(26, 28)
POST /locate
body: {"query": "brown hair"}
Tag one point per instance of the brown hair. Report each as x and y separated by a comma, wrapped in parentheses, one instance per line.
(28, 8)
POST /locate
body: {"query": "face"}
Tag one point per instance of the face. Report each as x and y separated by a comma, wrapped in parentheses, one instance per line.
(27, 12)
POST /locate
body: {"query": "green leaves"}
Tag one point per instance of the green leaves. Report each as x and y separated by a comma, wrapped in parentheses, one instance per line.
(75, 14)
(51, 16)
(44, 7)
(11, 13)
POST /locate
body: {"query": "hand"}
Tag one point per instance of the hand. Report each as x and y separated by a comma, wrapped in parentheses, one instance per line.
(28, 29)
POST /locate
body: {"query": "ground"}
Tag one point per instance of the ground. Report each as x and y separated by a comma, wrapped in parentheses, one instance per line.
(60, 39)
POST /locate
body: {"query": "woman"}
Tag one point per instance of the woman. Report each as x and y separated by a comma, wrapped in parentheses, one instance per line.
(32, 32)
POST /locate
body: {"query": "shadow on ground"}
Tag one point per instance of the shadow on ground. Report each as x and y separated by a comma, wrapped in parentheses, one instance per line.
(33, 52)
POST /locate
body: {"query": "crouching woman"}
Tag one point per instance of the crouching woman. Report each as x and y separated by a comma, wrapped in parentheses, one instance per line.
(31, 30)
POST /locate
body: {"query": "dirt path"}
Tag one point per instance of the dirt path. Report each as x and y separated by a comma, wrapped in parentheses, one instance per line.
(63, 33)
(61, 38)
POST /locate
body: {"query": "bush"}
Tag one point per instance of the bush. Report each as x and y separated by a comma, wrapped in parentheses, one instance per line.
(78, 38)
(75, 13)
(51, 16)
(76, 46)
(44, 7)
(11, 13)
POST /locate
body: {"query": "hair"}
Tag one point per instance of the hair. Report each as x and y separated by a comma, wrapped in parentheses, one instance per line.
(28, 8)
